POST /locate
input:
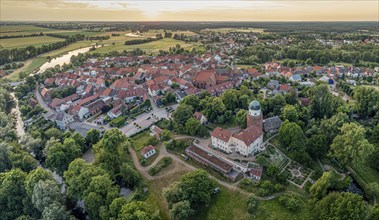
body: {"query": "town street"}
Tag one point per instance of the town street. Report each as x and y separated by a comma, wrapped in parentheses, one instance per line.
(130, 129)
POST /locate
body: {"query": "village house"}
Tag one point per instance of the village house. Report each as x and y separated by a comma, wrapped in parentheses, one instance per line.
(203, 120)
(255, 173)
(155, 130)
(46, 94)
(115, 112)
(62, 119)
(272, 124)
(148, 151)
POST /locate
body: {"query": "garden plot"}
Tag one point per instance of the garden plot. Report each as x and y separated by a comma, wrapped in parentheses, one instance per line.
(276, 157)
(297, 174)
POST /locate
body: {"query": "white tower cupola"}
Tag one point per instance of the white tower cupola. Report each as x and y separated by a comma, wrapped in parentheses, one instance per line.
(255, 108)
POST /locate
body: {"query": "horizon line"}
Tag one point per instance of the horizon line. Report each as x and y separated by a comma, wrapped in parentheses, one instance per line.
(216, 21)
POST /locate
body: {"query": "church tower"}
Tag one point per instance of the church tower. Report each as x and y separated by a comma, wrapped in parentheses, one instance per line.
(254, 117)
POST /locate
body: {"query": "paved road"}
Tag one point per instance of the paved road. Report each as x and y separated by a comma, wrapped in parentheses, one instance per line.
(42, 103)
(143, 121)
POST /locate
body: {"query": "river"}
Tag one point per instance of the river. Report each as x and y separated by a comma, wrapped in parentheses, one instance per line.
(56, 61)
(62, 59)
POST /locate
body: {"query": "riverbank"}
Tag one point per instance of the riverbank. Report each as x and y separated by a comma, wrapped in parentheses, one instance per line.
(36, 63)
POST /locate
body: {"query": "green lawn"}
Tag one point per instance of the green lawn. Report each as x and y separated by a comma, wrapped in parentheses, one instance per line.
(28, 41)
(150, 47)
(226, 204)
(155, 192)
(272, 209)
(139, 141)
(30, 66)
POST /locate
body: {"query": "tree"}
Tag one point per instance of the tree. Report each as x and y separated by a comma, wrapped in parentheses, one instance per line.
(340, 206)
(323, 103)
(55, 211)
(79, 140)
(320, 188)
(367, 101)
(351, 146)
(60, 155)
(309, 61)
(12, 193)
(138, 210)
(191, 100)
(181, 210)
(373, 190)
(252, 205)
(45, 193)
(129, 176)
(215, 110)
(241, 118)
(165, 135)
(291, 136)
(152, 141)
(192, 126)
(230, 98)
(93, 136)
(78, 177)
(195, 187)
(182, 114)
(168, 98)
(54, 132)
(34, 146)
(34, 177)
(98, 195)
(111, 151)
(115, 208)
(290, 113)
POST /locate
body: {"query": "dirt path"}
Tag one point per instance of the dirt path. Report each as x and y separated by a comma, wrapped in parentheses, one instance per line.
(163, 152)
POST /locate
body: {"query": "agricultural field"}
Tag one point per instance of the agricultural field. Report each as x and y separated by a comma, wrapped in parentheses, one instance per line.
(150, 47)
(27, 41)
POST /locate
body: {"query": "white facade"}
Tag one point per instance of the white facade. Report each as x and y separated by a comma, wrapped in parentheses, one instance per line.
(83, 112)
(149, 153)
(65, 121)
(221, 145)
(236, 145)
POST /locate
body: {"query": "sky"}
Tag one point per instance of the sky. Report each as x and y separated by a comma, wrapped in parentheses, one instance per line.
(189, 10)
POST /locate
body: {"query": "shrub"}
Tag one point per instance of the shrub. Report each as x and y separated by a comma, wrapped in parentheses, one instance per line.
(164, 162)
(290, 202)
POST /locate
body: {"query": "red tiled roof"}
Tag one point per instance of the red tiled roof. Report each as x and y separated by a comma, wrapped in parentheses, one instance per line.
(222, 134)
(212, 159)
(249, 135)
(147, 149)
(88, 99)
(198, 115)
(206, 76)
(284, 87)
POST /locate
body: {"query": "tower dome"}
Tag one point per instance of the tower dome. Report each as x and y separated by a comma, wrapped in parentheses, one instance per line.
(254, 105)
(255, 108)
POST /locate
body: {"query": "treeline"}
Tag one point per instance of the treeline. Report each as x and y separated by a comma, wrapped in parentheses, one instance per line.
(141, 41)
(318, 54)
(21, 35)
(22, 54)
